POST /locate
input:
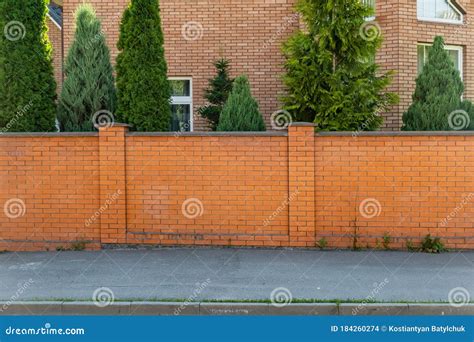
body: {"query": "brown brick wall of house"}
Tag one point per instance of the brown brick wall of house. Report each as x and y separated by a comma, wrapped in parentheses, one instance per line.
(249, 33)
(402, 32)
(242, 190)
(55, 37)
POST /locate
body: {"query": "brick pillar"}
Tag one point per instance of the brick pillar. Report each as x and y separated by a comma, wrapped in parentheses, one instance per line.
(301, 143)
(113, 197)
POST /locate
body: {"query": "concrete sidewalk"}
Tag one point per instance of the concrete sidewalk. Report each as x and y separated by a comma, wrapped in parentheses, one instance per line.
(236, 274)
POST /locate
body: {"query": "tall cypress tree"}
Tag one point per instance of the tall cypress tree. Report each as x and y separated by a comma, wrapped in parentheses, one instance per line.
(143, 88)
(89, 85)
(27, 85)
(217, 93)
(331, 76)
(241, 111)
(437, 100)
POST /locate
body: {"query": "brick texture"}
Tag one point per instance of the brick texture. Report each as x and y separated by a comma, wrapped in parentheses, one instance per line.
(52, 184)
(56, 39)
(233, 190)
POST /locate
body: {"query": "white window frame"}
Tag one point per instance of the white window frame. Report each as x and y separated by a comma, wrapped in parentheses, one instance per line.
(372, 18)
(185, 100)
(444, 21)
(458, 48)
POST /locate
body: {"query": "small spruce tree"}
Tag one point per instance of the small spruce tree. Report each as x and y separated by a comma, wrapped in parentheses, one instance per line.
(240, 112)
(143, 88)
(437, 100)
(217, 93)
(331, 77)
(27, 85)
(89, 84)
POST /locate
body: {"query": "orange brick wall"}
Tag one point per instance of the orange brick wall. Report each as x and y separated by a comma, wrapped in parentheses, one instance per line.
(268, 189)
(53, 187)
(409, 184)
(233, 183)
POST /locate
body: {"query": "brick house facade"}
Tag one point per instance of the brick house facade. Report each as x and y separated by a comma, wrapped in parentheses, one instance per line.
(250, 33)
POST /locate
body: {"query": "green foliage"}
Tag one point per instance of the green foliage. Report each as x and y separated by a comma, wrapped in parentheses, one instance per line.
(27, 85)
(410, 246)
(322, 243)
(240, 112)
(79, 245)
(331, 76)
(432, 245)
(143, 88)
(89, 84)
(387, 240)
(437, 101)
(217, 94)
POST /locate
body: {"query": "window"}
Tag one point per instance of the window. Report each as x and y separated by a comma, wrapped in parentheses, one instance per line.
(455, 52)
(370, 3)
(182, 104)
(439, 10)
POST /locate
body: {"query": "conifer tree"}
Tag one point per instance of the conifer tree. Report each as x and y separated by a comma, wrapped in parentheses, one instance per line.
(27, 85)
(331, 76)
(217, 93)
(143, 88)
(437, 100)
(240, 112)
(89, 85)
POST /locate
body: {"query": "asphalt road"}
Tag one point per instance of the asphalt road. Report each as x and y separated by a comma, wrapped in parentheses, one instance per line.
(236, 274)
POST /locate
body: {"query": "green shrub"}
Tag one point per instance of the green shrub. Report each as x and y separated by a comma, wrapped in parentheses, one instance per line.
(432, 245)
(240, 112)
(143, 88)
(27, 85)
(217, 94)
(89, 84)
(437, 101)
(331, 77)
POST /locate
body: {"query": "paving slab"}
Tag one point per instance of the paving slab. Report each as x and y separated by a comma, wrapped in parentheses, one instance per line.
(199, 274)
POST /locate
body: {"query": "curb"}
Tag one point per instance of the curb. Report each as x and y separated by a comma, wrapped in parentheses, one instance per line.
(228, 309)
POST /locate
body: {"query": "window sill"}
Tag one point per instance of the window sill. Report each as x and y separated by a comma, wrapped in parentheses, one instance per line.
(441, 21)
